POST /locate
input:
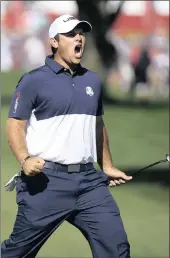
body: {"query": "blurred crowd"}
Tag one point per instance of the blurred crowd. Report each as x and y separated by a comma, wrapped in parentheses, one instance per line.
(24, 45)
(143, 65)
(23, 35)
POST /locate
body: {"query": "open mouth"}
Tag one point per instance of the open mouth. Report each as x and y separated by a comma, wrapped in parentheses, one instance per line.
(78, 50)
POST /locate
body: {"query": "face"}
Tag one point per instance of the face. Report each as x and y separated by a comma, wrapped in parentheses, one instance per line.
(70, 46)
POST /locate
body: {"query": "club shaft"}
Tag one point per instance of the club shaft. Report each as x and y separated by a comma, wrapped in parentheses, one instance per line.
(151, 165)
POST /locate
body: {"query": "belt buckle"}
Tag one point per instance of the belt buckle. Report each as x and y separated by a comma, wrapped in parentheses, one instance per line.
(74, 168)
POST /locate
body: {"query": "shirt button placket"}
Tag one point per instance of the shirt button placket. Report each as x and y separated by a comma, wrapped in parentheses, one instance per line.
(73, 81)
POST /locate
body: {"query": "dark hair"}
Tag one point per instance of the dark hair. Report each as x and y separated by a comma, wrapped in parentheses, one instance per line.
(53, 49)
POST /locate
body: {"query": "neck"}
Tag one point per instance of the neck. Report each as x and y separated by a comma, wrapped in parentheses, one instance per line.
(70, 67)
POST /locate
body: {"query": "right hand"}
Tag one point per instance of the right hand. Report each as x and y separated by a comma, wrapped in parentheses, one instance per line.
(33, 166)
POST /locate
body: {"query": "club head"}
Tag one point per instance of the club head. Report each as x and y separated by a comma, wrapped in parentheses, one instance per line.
(167, 158)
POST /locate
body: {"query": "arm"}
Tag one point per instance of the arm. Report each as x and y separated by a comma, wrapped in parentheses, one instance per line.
(103, 152)
(15, 129)
(16, 139)
(104, 159)
(22, 104)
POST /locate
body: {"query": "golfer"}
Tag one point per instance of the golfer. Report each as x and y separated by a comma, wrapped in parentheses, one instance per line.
(56, 132)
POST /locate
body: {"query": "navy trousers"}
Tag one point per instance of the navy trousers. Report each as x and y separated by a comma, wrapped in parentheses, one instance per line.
(52, 197)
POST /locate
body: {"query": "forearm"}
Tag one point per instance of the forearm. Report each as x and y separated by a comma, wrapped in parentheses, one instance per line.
(107, 159)
(104, 158)
(116, 177)
(16, 140)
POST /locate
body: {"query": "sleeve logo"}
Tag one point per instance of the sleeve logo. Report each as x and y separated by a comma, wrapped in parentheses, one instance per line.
(16, 102)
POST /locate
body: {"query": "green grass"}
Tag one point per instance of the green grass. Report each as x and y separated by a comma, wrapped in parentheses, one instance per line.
(9, 82)
(137, 137)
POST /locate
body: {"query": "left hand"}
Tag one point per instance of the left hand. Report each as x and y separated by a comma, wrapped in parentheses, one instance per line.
(116, 176)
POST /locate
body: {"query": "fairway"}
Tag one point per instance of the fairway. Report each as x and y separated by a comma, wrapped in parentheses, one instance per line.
(137, 137)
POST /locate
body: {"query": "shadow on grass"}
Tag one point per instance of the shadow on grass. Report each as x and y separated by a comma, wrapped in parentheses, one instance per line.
(151, 175)
(130, 102)
(136, 104)
(5, 100)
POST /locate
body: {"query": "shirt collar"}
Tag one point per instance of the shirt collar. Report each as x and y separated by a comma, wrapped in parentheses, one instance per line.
(56, 67)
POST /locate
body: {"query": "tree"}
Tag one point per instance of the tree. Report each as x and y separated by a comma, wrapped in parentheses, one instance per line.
(89, 9)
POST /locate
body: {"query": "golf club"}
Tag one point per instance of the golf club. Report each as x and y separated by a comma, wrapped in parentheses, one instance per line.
(153, 164)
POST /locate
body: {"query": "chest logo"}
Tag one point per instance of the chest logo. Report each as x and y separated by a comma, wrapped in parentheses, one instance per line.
(89, 91)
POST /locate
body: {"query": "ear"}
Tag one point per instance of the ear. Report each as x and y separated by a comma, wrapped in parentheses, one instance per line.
(53, 42)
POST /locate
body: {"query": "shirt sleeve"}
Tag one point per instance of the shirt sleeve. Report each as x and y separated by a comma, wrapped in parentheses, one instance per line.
(23, 99)
(100, 110)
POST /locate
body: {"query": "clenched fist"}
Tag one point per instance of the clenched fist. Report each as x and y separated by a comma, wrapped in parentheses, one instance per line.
(33, 166)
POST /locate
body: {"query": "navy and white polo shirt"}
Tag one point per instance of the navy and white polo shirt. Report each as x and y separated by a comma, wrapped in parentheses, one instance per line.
(61, 111)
